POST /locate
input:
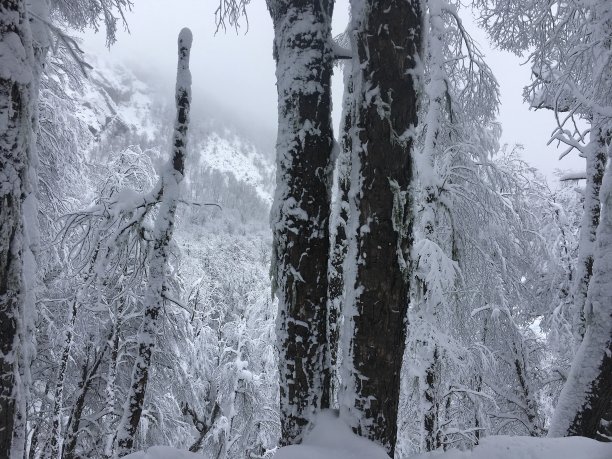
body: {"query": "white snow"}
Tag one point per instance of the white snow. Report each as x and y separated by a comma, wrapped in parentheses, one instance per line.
(331, 438)
(504, 447)
(163, 452)
(230, 154)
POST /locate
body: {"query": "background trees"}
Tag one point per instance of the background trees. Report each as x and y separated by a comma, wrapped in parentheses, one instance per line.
(570, 64)
(493, 283)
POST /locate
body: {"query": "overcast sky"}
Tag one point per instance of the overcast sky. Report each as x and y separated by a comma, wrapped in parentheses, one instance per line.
(236, 70)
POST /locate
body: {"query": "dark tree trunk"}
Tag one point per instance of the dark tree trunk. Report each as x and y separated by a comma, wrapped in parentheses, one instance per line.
(16, 79)
(386, 37)
(88, 375)
(524, 392)
(431, 422)
(605, 428)
(300, 215)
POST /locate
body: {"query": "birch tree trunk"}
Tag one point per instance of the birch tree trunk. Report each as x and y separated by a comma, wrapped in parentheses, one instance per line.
(17, 207)
(300, 215)
(158, 260)
(386, 38)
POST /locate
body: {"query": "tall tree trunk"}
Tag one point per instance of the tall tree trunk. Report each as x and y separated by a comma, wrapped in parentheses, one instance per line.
(587, 393)
(386, 36)
(158, 261)
(595, 166)
(338, 236)
(300, 215)
(17, 220)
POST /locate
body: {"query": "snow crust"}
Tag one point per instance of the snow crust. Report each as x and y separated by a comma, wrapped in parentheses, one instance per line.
(504, 447)
(331, 438)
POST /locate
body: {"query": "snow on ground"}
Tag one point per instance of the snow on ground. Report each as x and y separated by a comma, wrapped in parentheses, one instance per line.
(504, 447)
(163, 452)
(331, 438)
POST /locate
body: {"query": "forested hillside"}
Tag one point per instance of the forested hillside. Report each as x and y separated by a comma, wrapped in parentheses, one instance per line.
(176, 281)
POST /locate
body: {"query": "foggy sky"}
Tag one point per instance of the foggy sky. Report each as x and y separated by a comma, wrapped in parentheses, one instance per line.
(236, 70)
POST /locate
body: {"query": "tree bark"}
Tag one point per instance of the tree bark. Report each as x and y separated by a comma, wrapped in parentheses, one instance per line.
(386, 38)
(300, 215)
(17, 203)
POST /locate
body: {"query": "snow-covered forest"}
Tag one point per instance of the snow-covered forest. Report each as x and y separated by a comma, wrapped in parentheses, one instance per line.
(176, 282)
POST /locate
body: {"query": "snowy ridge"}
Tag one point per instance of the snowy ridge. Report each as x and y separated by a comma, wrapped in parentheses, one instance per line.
(129, 98)
(114, 101)
(231, 154)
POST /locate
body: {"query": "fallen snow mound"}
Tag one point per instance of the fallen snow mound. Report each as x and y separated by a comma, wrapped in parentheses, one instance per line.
(504, 447)
(331, 438)
(163, 452)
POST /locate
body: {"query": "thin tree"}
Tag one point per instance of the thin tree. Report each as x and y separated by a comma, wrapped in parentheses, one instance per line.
(167, 195)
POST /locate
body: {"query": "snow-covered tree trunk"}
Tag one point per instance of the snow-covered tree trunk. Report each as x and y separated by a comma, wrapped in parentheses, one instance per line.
(111, 378)
(89, 374)
(525, 391)
(58, 396)
(587, 393)
(428, 298)
(386, 38)
(158, 259)
(338, 236)
(300, 214)
(595, 166)
(18, 225)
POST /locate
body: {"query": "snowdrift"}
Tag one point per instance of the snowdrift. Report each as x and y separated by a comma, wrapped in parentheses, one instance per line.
(503, 447)
(332, 439)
